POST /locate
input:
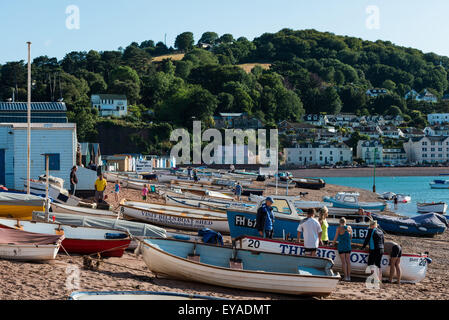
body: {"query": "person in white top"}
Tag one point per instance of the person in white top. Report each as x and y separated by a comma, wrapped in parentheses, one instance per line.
(312, 231)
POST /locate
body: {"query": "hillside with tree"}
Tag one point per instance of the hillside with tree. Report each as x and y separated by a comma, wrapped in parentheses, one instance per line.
(309, 72)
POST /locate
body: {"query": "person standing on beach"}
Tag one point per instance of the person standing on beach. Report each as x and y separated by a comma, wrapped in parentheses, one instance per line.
(395, 201)
(189, 172)
(265, 219)
(312, 231)
(100, 186)
(73, 180)
(116, 190)
(395, 251)
(324, 213)
(144, 192)
(344, 237)
(375, 240)
(195, 176)
(238, 191)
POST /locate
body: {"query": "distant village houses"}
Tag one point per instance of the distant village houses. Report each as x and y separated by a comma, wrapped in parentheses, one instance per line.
(237, 121)
(307, 154)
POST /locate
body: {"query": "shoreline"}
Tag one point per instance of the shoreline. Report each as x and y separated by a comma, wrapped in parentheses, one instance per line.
(368, 172)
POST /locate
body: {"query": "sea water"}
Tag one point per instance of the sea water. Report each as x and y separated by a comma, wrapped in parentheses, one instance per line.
(416, 187)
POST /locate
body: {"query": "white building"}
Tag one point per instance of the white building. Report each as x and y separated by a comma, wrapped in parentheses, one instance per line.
(394, 156)
(318, 154)
(316, 119)
(427, 149)
(438, 130)
(375, 92)
(438, 118)
(110, 104)
(55, 139)
(367, 150)
(392, 132)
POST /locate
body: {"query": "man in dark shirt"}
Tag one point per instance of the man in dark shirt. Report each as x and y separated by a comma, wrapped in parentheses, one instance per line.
(265, 219)
(375, 240)
(73, 180)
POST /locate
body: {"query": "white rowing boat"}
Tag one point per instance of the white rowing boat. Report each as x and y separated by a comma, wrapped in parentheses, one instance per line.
(185, 218)
(81, 211)
(28, 246)
(437, 207)
(238, 268)
(413, 266)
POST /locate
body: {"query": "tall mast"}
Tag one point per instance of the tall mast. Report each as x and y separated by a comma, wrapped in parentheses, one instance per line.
(29, 118)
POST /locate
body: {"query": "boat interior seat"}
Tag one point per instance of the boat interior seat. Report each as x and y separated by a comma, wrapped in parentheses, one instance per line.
(236, 264)
(193, 257)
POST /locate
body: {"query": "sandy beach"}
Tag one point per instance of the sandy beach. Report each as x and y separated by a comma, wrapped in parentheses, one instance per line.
(37, 281)
(368, 172)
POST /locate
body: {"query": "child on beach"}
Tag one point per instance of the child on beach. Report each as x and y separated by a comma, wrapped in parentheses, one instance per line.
(144, 192)
(117, 190)
(324, 212)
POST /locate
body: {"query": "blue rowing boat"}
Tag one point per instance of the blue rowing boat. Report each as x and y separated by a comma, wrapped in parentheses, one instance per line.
(350, 200)
(287, 219)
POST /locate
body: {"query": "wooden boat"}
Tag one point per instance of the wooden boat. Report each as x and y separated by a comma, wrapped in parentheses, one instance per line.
(80, 240)
(287, 219)
(56, 190)
(28, 246)
(137, 295)
(267, 272)
(249, 191)
(426, 225)
(413, 266)
(136, 229)
(314, 184)
(19, 206)
(185, 218)
(205, 203)
(56, 207)
(350, 200)
(439, 184)
(437, 207)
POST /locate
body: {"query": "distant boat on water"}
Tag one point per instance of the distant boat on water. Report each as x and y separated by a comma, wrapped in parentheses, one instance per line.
(439, 184)
(351, 200)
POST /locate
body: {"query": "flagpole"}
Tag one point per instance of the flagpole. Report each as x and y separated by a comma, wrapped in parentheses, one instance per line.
(29, 118)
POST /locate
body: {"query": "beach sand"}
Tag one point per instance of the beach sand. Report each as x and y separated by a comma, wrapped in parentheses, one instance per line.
(37, 281)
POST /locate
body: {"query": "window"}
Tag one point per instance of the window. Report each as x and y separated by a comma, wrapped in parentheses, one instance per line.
(432, 143)
(432, 155)
(424, 155)
(300, 158)
(440, 149)
(424, 143)
(311, 158)
(281, 206)
(53, 162)
(440, 156)
(424, 149)
(432, 149)
(331, 158)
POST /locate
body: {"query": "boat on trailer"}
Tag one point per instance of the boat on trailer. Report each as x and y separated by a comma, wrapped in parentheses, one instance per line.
(413, 266)
(237, 268)
(80, 240)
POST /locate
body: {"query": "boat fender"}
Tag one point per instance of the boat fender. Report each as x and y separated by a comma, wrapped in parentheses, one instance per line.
(111, 236)
(59, 231)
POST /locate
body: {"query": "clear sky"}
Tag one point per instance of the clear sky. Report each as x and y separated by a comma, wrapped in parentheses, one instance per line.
(109, 24)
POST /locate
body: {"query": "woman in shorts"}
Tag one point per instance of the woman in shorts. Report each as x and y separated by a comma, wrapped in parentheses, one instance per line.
(344, 237)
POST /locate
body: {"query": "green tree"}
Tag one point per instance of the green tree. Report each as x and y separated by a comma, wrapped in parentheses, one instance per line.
(184, 41)
(209, 37)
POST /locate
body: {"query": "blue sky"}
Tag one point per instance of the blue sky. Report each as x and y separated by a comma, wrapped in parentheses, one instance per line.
(109, 24)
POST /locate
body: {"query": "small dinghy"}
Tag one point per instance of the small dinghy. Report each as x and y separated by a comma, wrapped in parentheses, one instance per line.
(351, 200)
(237, 268)
(437, 207)
(439, 184)
(137, 295)
(314, 184)
(28, 246)
(80, 240)
(19, 206)
(423, 225)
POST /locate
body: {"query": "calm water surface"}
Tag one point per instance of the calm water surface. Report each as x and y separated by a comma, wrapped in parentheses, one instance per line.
(417, 187)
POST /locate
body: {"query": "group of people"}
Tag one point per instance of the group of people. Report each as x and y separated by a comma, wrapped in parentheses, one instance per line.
(315, 233)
